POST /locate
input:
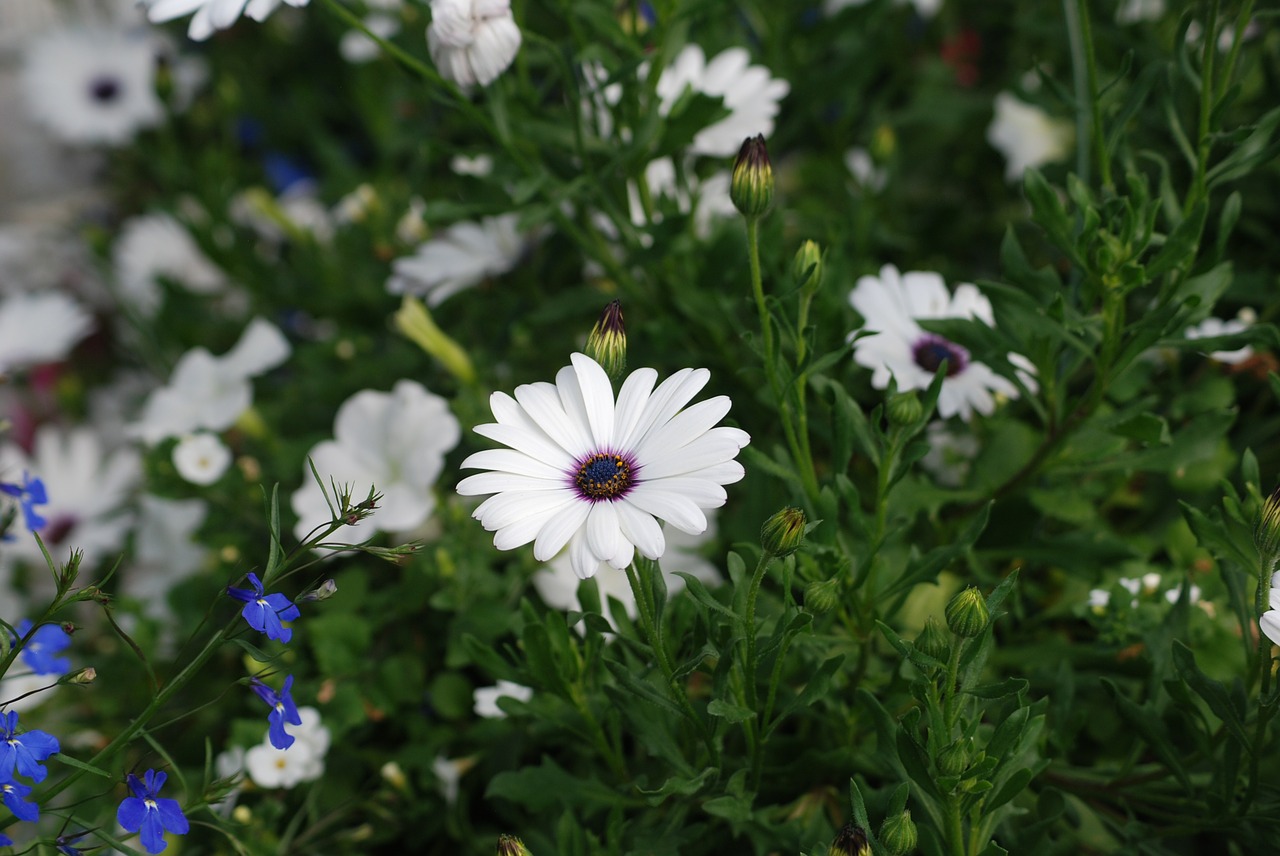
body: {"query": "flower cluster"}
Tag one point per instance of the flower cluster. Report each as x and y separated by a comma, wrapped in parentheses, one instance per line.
(20, 755)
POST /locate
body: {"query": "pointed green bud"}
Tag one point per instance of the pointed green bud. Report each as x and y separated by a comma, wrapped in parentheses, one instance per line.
(967, 614)
(607, 343)
(850, 841)
(954, 759)
(806, 267)
(1266, 531)
(509, 845)
(933, 641)
(822, 596)
(783, 533)
(751, 187)
(904, 409)
(416, 324)
(898, 834)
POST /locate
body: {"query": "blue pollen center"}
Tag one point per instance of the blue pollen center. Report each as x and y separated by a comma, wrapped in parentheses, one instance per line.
(932, 350)
(603, 476)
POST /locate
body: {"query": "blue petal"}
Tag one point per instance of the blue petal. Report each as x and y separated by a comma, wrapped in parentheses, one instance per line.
(131, 812)
(279, 738)
(152, 837)
(171, 816)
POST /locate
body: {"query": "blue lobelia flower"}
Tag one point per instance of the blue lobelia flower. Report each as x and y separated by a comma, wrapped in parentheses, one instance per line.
(152, 814)
(282, 710)
(5, 841)
(264, 612)
(23, 752)
(29, 494)
(66, 844)
(14, 794)
(40, 650)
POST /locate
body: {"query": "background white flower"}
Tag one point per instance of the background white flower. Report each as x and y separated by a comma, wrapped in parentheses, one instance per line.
(270, 767)
(201, 458)
(1027, 136)
(39, 328)
(924, 8)
(461, 256)
(486, 698)
(1211, 327)
(211, 15)
(585, 471)
(891, 304)
(863, 168)
(355, 46)
(395, 441)
(164, 550)
(156, 246)
(950, 454)
(472, 41)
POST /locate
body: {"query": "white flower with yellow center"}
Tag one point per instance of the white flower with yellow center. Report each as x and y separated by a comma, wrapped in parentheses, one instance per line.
(595, 474)
(1027, 136)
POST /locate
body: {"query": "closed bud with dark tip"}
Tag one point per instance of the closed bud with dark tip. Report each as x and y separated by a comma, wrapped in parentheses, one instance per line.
(751, 187)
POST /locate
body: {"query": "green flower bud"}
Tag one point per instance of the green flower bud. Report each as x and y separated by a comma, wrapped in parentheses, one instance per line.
(883, 143)
(783, 533)
(905, 409)
(954, 759)
(509, 845)
(933, 641)
(751, 187)
(1266, 530)
(806, 266)
(967, 614)
(898, 834)
(850, 841)
(820, 597)
(607, 343)
(416, 324)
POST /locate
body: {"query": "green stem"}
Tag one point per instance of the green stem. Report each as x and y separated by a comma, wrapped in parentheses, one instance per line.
(1198, 188)
(1261, 672)
(955, 826)
(751, 667)
(1091, 70)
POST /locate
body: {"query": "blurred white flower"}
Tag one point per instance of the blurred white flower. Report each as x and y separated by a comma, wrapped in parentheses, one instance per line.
(39, 328)
(356, 47)
(891, 305)
(1133, 11)
(201, 458)
(864, 170)
(356, 206)
(1027, 136)
(924, 8)
(270, 767)
(211, 392)
(155, 247)
(165, 551)
(1211, 327)
(92, 85)
(472, 41)
(395, 441)
(950, 454)
(449, 773)
(459, 257)
(707, 199)
(211, 15)
(749, 92)
(296, 213)
(486, 698)
(478, 166)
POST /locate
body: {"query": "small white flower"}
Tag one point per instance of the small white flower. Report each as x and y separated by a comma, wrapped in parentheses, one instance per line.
(92, 85)
(924, 8)
(211, 15)
(201, 458)
(357, 205)
(1098, 599)
(1134, 11)
(39, 328)
(155, 247)
(459, 257)
(472, 41)
(211, 392)
(395, 441)
(1027, 136)
(585, 471)
(950, 454)
(707, 199)
(749, 92)
(1174, 593)
(296, 213)
(486, 698)
(864, 170)
(270, 767)
(892, 303)
(165, 551)
(448, 772)
(478, 166)
(356, 46)
(1211, 327)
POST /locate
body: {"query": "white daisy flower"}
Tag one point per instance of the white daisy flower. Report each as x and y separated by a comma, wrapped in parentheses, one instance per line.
(1027, 136)
(92, 85)
(891, 304)
(596, 475)
(211, 15)
(924, 8)
(1211, 327)
(749, 92)
(1135, 11)
(707, 199)
(356, 46)
(39, 328)
(165, 551)
(486, 698)
(270, 767)
(201, 458)
(394, 441)
(154, 247)
(472, 41)
(950, 454)
(461, 256)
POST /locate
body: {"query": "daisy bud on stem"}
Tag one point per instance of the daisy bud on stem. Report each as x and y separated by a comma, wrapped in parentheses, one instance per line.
(751, 188)
(607, 343)
(806, 267)
(933, 641)
(820, 596)
(416, 324)
(1266, 531)
(509, 845)
(904, 409)
(783, 533)
(850, 841)
(967, 613)
(899, 834)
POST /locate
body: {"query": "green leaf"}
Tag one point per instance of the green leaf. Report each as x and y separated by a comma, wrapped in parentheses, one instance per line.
(81, 765)
(1003, 689)
(1145, 428)
(1150, 727)
(729, 711)
(548, 786)
(1213, 692)
(816, 687)
(642, 689)
(1182, 243)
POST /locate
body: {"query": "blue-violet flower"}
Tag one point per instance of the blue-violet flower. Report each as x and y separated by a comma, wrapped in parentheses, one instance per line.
(264, 612)
(23, 752)
(41, 649)
(14, 794)
(29, 494)
(152, 814)
(282, 710)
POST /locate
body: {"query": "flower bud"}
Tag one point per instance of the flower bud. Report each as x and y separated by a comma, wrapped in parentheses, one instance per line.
(1266, 530)
(394, 776)
(607, 343)
(850, 841)
(509, 845)
(820, 597)
(324, 591)
(86, 675)
(898, 834)
(783, 533)
(751, 187)
(954, 759)
(933, 641)
(416, 324)
(883, 143)
(806, 267)
(967, 613)
(904, 409)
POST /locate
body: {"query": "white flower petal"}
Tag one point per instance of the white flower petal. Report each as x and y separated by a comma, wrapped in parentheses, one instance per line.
(640, 529)
(559, 529)
(597, 395)
(603, 533)
(676, 509)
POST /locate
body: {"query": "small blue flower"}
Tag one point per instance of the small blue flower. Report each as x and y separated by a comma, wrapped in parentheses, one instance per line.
(66, 844)
(282, 710)
(29, 494)
(152, 814)
(6, 841)
(264, 612)
(40, 650)
(23, 751)
(14, 795)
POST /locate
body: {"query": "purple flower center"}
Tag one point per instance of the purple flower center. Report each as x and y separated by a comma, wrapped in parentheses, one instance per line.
(58, 529)
(105, 89)
(931, 350)
(603, 475)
